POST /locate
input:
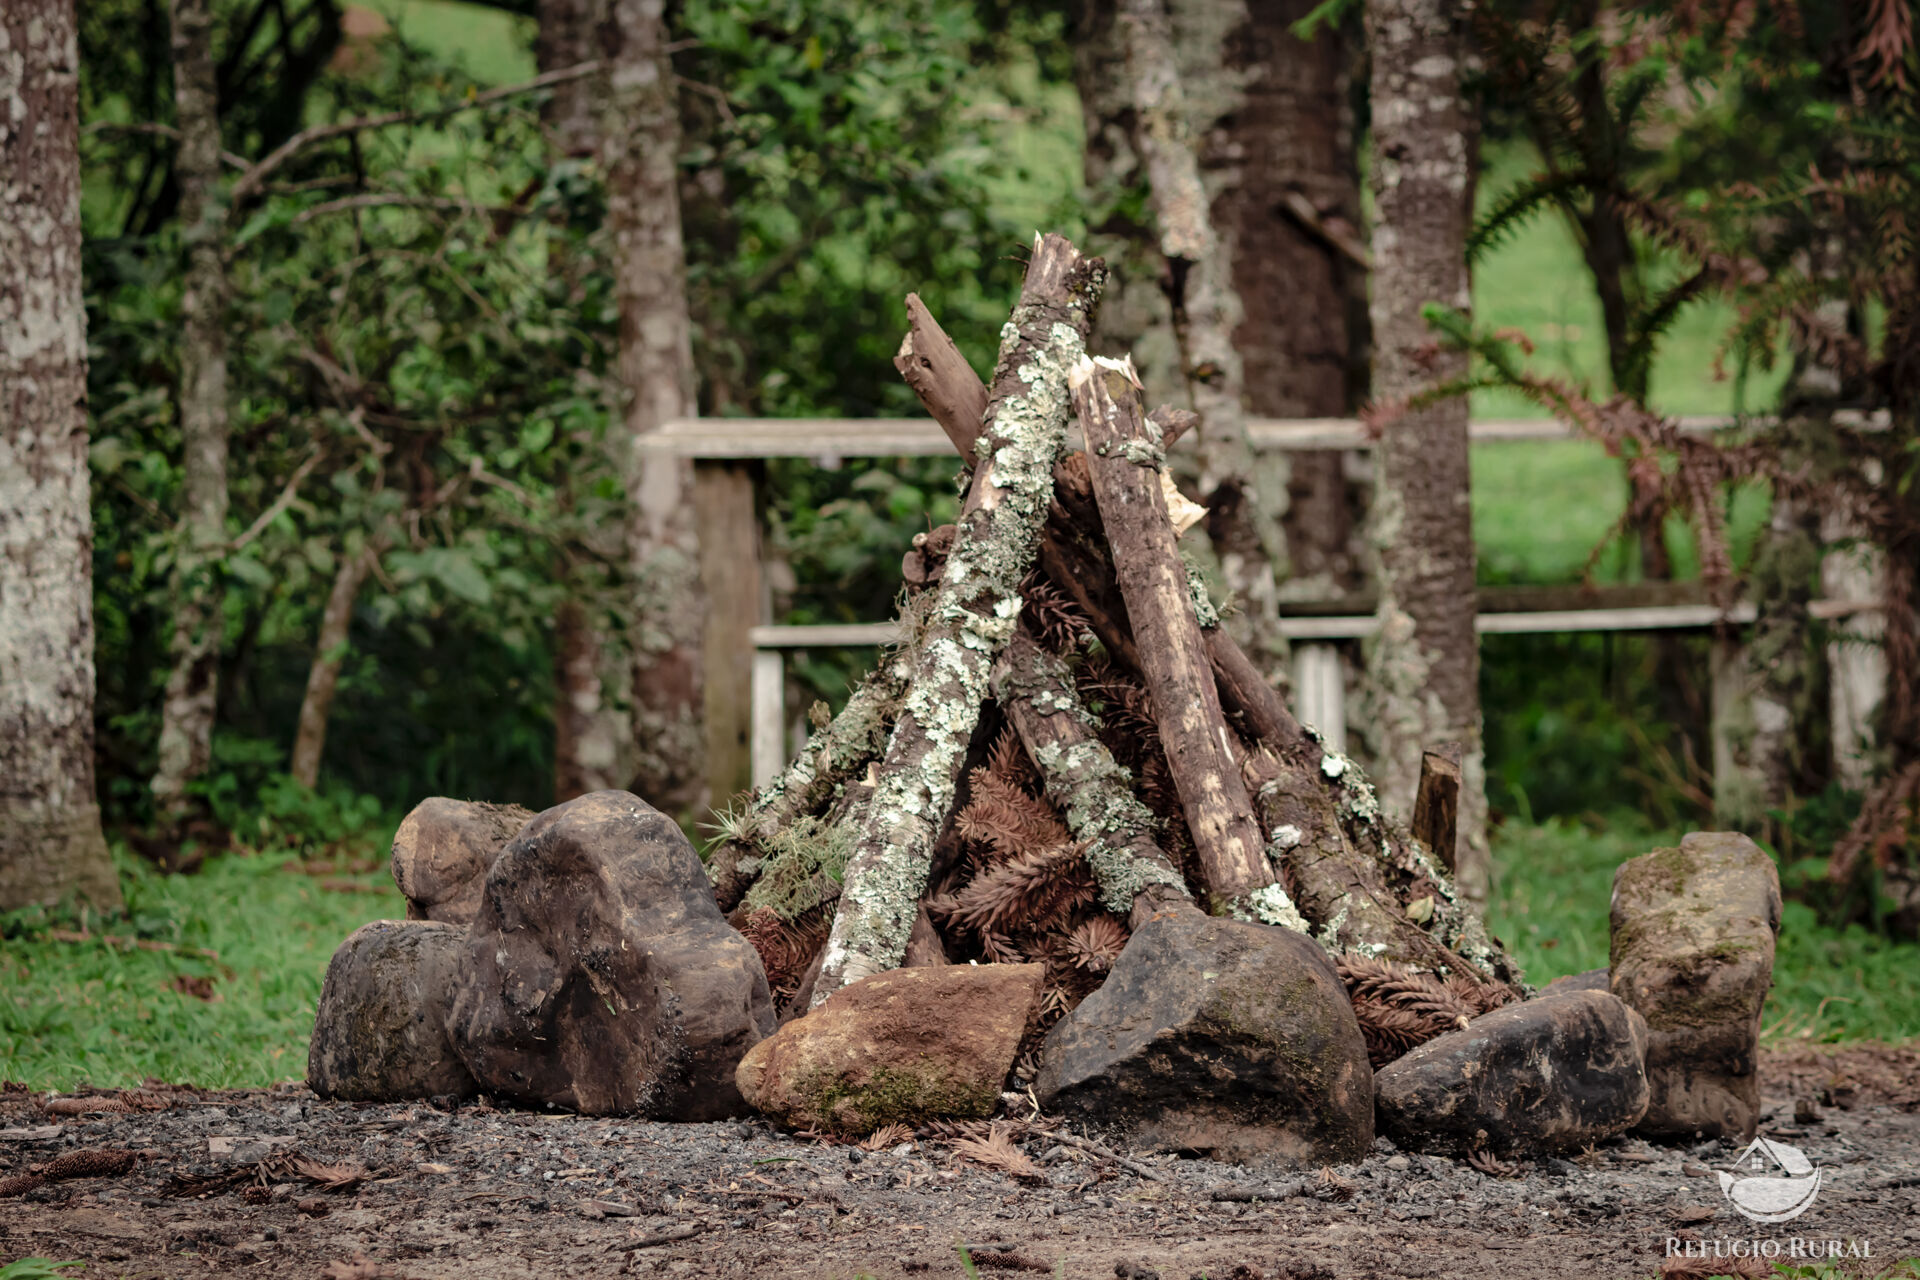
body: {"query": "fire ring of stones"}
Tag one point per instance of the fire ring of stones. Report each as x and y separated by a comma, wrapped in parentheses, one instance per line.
(1064, 840)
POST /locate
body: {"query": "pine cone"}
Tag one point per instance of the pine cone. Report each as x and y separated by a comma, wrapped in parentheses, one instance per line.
(20, 1184)
(100, 1162)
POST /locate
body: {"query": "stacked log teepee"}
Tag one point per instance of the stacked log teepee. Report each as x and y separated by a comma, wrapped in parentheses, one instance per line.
(1066, 738)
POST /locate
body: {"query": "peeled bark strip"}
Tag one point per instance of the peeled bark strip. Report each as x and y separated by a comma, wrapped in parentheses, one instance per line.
(947, 385)
(640, 151)
(1206, 309)
(50, 839)
(1425, 664)
(975, 611)
(1124, 455)
(329, 651)
(1036, 693)
(186, 716)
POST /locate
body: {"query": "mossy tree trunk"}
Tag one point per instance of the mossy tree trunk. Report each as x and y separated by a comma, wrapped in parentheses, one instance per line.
(1424, 665)
(187, 709)
(51, 845)
(640, 149)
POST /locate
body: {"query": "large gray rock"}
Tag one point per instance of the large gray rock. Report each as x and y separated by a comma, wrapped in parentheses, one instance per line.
(1693, 941)
(1220, 1037)
(601, 976)
(906, 1046)
(441, 853)
(380, 1034)
(1549, 1074)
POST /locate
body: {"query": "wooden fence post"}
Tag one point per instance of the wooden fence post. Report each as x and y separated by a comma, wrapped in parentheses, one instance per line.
(730, 570)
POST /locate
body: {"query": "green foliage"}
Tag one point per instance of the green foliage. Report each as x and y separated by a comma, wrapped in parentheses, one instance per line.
(37, 1269)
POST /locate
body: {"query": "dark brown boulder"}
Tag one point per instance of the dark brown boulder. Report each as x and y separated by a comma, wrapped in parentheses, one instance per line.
(1217, 1037)
(442, 851)
(1549, 1074)
(601, 976)
(379, 1034)
(1693, 940)
(905, 1046)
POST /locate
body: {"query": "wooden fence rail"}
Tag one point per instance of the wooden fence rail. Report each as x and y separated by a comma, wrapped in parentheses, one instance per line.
(745, 690)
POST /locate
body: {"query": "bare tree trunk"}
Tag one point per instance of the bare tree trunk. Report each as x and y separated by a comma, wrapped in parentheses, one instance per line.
(640, 145)
(50, 839)
(1286, 146)
(1206, 308)
(186, 718)
(329, 651)
(592, 737)
(1425, 663)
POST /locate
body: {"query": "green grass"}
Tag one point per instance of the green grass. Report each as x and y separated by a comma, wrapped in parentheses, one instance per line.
(86, 1012)
(1553, 881)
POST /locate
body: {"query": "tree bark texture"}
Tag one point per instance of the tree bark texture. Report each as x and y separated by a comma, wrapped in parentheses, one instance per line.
(1085, 783)
(329, 652)
(568, 36)
(592, 736)
(1206, 308)
(1767, 706)
(975, 611)
(640, 145)
(50, 839)
(1288, 144)
(1126, 457)
(1424, 666)
(187, 711)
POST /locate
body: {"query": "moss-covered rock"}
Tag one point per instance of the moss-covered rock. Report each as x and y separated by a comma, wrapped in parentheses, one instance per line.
(1221, 1037)
(906, 1046)
(1693, 941)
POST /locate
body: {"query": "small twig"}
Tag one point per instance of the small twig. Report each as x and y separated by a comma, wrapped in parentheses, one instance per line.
(726, 111)
(281, 503)
(143, 944)
(1095, 1149)
(1344, 241)
(166, 131)
(251, 181)
(377, 200)
(684, 1232)
(1254, 1195)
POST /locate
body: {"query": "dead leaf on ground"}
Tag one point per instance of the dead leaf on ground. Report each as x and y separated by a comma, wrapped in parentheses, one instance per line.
(332, 1177)
(198, 988)
(996, 1151)
(889, 1135)
(430, 1167)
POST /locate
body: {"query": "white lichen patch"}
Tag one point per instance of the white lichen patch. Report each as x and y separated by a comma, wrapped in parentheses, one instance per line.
(1270, 905)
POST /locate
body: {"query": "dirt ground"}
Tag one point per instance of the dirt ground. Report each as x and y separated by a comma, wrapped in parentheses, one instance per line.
(477, 1194)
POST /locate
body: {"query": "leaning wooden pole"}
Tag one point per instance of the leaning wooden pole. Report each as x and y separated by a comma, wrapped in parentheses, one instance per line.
(1126, 456)
(1085, 783)
(975, 611)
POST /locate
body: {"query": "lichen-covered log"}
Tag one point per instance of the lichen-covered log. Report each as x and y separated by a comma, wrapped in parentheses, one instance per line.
(1367, 890)
(973, 614)
(1083, 780)
(1125, 454)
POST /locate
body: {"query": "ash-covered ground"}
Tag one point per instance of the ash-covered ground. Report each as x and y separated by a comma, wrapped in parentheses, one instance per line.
(238, 1183)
